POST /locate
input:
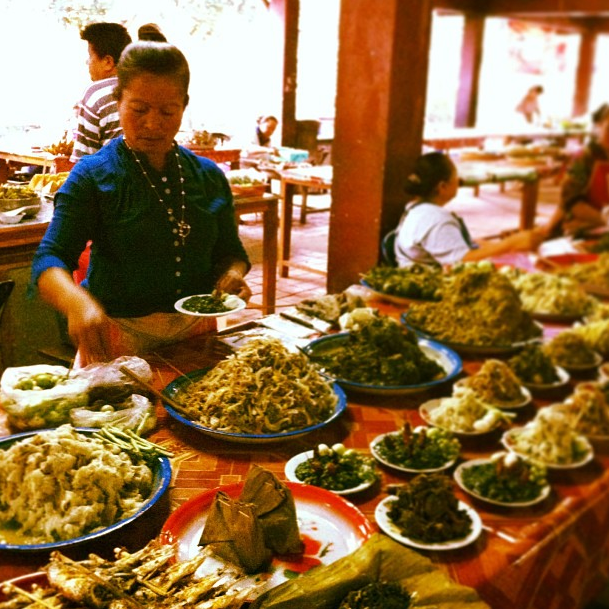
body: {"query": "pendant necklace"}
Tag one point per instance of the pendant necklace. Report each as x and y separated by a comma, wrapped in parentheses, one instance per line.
(183, 228)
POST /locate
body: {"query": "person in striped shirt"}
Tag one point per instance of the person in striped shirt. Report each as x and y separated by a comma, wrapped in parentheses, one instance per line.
(98, 111)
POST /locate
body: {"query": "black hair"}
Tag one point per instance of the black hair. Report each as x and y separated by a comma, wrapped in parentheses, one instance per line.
(151, 31)
(160, 58)
(600, 114)
(429, 171)
(106, 39)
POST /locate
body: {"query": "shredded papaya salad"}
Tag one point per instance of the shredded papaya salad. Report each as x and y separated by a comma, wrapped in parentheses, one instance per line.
(263, 388)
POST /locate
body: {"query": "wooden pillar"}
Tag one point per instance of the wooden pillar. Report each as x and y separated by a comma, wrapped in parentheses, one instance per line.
(585, 70)
(380, 109)
(286, 14)
(471, 61)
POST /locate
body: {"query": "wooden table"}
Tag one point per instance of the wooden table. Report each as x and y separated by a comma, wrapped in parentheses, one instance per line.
(267, 205)
(307, 177)
(476, 173)
(23, 157)
(231, 156)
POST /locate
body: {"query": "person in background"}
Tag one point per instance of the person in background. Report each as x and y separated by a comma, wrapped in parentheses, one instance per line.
(265, 127)
(529, 104)
(97, 121)
(430, 234)
(151, 31)
(160, 219)
(584, 196)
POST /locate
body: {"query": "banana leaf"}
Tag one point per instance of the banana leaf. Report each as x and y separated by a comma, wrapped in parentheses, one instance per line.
(380, 559)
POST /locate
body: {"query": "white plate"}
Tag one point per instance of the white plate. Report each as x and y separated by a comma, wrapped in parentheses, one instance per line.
(458, 475)
(381, 514)
(507, 441)
(296, 460)
(428, 407)
(581, 368)
(401, 468)
(525, 401)
(239, 305)
(330, 526)
(563, 380)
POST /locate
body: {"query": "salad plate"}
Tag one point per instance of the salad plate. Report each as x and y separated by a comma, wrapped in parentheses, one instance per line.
(381, 515)
(296, 460)
(375, 449)
(563, 380)
(543, 491)
(197, 303)
(178, 387)
(509, 441)
(330, 527)
(512, 405)
(426, 409)
(161, 470)
(444, 356)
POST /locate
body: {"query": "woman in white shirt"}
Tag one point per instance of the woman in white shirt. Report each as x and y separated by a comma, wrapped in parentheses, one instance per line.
(430, 234)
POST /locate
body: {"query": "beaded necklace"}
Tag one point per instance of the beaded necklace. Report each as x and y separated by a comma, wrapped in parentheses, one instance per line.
(183, 228)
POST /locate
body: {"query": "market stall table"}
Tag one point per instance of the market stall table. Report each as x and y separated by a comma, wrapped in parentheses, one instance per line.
(12, 154)
(554, 554)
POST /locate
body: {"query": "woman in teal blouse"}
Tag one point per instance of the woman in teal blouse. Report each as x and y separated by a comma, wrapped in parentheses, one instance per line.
(160, 220)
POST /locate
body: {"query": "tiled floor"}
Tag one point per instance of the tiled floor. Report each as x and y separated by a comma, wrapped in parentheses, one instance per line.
(310, 241)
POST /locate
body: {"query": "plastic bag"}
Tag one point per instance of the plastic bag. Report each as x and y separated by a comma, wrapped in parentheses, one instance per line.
(41, 396)
(135, 413)
(108, 383)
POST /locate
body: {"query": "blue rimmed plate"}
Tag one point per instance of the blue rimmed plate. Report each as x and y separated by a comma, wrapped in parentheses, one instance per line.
(444, 356)
(161, 470)
(178, 387)
(472, 349)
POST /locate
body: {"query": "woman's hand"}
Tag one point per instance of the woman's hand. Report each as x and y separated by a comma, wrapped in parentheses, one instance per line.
(232, 282)
(89, 329)
(88, 324)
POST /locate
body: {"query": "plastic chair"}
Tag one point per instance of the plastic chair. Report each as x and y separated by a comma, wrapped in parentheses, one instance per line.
(387, 248)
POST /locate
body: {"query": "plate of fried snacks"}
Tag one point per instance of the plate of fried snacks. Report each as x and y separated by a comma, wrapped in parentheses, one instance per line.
(419, 450)
(480, 313)
(550, 439)
(210, 305)
(342, 470)
(464, 414)
(269, 529)
(97, 486)
(570, 351)
(506, 479)
(261, 393)
(404, 284)
(497, 384)
(404, 517)
(380, 356)
(549, 297)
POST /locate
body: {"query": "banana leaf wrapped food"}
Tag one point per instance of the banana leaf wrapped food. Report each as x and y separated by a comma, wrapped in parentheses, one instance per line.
(259, 524)
(380, 559)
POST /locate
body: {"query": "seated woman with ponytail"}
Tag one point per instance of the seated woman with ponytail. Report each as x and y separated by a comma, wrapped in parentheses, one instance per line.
(430, 234)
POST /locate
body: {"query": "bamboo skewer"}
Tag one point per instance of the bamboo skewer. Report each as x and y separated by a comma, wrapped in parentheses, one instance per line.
(159, 394)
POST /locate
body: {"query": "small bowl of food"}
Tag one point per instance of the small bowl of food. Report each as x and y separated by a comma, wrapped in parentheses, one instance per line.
(419, 450)
(341, 470)
(570, 351)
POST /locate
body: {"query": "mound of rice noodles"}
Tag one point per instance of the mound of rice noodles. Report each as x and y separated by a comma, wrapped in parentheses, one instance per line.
(479, 307)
